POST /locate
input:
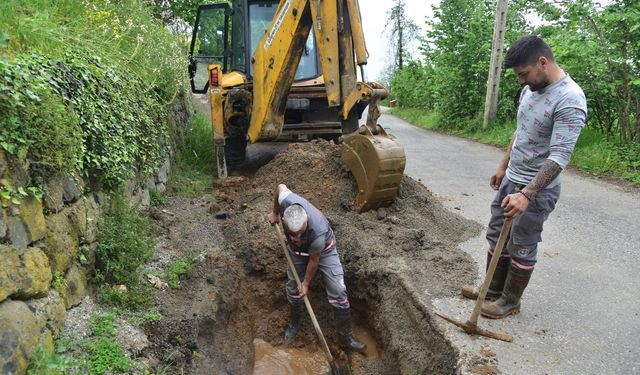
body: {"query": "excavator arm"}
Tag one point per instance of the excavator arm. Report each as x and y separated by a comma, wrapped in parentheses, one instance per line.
(376, 160)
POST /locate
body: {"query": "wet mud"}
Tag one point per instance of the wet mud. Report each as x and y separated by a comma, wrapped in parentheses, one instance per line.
(396, 260)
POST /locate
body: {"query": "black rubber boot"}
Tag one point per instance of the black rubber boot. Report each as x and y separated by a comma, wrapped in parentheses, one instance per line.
(295, 322)
(509, 302)
(343, 323)
(497, 282)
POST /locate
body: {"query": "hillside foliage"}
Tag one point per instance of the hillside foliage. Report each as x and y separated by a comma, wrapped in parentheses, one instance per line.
(85, 86)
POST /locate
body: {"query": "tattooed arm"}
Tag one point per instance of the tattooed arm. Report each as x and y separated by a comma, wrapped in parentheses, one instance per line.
(549, 171)
(515, 204)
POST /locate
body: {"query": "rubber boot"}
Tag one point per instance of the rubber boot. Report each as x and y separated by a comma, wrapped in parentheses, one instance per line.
(509, 302)
(295, 321)
(343, 323)
(497, 282)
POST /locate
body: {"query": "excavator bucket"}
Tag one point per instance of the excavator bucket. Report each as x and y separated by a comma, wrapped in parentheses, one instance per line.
(377, 162)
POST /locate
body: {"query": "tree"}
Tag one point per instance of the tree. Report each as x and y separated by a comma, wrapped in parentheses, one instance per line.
(170, 11)
(599, 47)
(402, 31)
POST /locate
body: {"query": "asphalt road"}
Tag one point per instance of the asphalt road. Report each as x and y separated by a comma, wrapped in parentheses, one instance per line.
(581, 311)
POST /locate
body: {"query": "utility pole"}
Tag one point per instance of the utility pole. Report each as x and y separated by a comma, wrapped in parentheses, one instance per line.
(495, 68)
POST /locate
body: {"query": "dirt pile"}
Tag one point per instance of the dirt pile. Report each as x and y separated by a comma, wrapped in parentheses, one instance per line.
(396, 259)
(416, 234)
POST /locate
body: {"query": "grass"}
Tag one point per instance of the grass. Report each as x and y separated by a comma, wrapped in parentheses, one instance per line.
(195, 162)
(157, 198)
(178, 268)
(594, 153)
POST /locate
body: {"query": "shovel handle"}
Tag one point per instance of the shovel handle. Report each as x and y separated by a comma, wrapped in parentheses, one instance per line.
(497, 252)
(292, 267)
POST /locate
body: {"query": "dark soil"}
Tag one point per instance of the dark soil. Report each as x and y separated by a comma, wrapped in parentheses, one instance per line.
(396, 260)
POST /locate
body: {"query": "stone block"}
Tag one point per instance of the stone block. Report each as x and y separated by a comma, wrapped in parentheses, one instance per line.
(33, 218)
(161, 188)
(36, 274)
(24, 274)
(151, 183)
(52, 199)
(9, 272)
(17, 232)
(72, 189)
(50, 310)
(162, 175)
(77, 215)
(20, 333)
(61, 242)
(76, 286)
(3, 224)
(144, 198)
(3, 162)
(99, 197)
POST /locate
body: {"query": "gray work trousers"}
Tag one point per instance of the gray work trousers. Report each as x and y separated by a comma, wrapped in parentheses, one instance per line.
(332, 274)
(526, 228)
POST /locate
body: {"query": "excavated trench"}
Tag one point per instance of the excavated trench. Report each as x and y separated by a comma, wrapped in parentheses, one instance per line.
(229, 314)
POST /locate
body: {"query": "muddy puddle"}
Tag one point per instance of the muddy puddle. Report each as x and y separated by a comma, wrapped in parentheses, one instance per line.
(229, 315)
(271, 360)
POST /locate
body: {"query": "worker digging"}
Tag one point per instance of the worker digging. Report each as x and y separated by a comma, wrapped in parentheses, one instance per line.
(312, 246)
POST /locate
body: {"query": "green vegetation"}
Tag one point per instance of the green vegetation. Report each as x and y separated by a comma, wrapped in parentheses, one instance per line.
(125, 243)
(178, 268)
(58, 282)
(445, 89)
(45, 363)
(194, 164)
(85, 86)
(106, 356)
(103, 324)
(96, 355)
(157, 199)
(152, 316)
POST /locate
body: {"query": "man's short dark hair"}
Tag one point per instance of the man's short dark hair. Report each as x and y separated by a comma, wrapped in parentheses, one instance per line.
(526, 51)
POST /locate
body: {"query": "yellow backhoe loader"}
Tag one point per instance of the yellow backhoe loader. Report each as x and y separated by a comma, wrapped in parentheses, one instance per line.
(271, 79)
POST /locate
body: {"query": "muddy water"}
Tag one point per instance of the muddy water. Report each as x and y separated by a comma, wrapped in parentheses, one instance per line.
(365, 337)
(270, 360)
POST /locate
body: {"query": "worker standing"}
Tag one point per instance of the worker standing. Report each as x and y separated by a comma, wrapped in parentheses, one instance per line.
(551, 114)
(312, 245)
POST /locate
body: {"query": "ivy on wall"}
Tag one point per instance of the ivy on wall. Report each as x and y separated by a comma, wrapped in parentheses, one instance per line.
(78, 114)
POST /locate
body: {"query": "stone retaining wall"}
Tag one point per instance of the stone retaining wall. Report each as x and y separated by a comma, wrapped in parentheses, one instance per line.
(47, 249)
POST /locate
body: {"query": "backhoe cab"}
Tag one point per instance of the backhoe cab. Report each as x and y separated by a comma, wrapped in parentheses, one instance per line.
(270, 78)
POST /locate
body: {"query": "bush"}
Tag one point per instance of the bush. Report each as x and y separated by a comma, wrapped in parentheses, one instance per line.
(125, 243)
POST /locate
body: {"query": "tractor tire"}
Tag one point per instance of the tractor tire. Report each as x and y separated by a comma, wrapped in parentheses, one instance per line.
(235, 152)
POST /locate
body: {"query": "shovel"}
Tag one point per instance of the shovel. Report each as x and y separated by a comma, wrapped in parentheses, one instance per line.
(471, 325)
(334, 367)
